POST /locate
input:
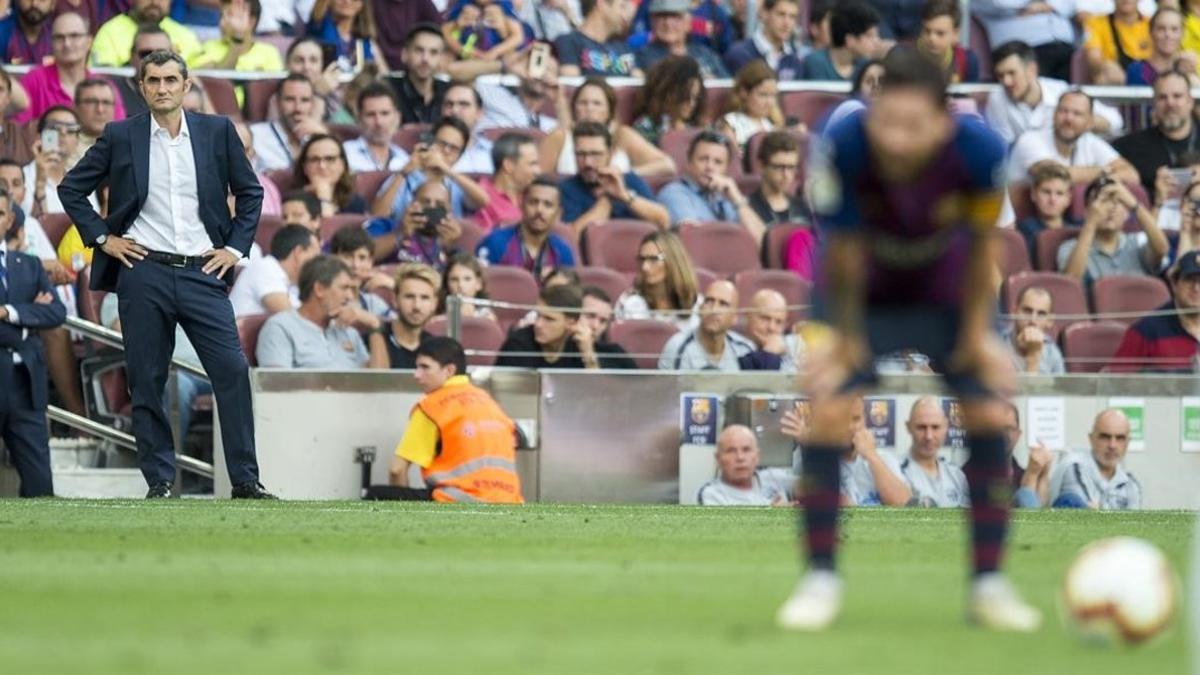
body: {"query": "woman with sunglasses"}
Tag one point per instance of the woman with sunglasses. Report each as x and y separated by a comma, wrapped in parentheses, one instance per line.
(665, 287)
(323, 170)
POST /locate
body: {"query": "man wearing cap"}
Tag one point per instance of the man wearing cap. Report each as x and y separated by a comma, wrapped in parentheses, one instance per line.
(670, 25)
(1170, 338)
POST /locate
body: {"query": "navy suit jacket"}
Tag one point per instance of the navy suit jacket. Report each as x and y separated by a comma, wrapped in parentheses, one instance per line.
(121, 157)
(25, 280)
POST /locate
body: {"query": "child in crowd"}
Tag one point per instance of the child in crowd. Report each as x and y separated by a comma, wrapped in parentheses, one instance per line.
(1051, 196)
(483, 29)
(464, 276)
(940, 23)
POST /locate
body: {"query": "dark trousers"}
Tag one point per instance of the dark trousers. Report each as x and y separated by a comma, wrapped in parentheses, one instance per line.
(153, 298)
(1054, 60)
(24, 429)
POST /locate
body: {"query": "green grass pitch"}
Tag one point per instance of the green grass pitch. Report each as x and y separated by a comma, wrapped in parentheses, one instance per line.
(226, 588)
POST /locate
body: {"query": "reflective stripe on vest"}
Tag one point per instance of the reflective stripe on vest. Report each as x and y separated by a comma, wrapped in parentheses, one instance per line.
(458, 495)
(472, 466)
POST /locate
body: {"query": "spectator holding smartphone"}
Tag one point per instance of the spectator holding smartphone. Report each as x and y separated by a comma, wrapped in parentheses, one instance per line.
(1103, 248)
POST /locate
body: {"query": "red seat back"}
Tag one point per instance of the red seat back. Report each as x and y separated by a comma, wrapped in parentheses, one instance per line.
(642, 338)
(511, 284)
(267, 227)
(223, 97)
(258, 99)
(809, 106)
(55, 225)
(1020, 193)
(344, 132)
(775, 244)
(409, 134)
(1128, 294)
(367, 183)
(614, 243)
(1088, 347)
(978, 43)
(611, 281)
(331, 224)
(724, 248)
(248, 329)
(1067, 293)
(795, 291)
(282, 178)
(1012, 255)
(1048, 242)
(481, 335)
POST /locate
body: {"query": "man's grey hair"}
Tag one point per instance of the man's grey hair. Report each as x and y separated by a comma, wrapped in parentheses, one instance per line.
(508, 146)
(161, 58)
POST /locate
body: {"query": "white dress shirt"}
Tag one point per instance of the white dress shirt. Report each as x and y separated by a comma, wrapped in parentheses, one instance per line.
(1011, 118)
(271, 150)
(477, 158)
(1033, 146)
(360, 159)
(170, 219)
(259, 279)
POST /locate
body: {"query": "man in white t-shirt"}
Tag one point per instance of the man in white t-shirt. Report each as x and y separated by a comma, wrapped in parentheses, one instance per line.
(1069, 141)
(935, 482)
(268, 285)
(740, 481)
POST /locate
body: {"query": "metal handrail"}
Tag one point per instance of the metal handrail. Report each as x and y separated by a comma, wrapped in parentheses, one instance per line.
(112, 338)
(121, 438)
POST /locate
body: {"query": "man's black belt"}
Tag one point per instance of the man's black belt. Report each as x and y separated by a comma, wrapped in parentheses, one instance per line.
(176, 260)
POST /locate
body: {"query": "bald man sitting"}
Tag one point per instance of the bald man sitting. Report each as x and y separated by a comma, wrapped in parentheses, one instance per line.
(713, 345)
(740, 481)
(766, 326)
(1097, 480)
(935, 482)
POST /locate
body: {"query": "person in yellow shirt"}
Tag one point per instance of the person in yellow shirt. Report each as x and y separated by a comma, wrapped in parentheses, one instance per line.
(113, 44)
(461, 439)
(1113, 41)
(237, 49)
(1191, 25)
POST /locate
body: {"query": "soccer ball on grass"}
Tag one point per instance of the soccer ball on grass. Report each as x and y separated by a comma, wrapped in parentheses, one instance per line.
(1120, 589)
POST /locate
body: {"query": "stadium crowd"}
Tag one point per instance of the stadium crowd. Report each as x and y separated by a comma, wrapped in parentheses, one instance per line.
(607, 224)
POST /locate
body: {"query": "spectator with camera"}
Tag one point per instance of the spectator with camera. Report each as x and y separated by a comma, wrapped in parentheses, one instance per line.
(312, 336)
(433, 160)
(426, 233)
(54, 154)
(1103, 248)
(1029, 338)
(531, 244)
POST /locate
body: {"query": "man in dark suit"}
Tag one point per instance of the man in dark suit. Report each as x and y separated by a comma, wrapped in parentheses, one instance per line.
(165, 248)
(27, 304)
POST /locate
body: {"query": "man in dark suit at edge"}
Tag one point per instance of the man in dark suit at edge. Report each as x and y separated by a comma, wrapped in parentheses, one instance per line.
(165, 248)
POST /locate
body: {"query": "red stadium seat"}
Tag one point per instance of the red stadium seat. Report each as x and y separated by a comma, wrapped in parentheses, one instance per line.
(331, 224)
(809, 106)
(1048, 242)
(344, 132)
(614, 243)
(626, 103)
(223, 96)
(368, 183)
(1013, 253)
(1128, 294)
(704, 278)
(511, 284)
(282, 178)
(1020, 194)
(1080, 74)
(795, 290)
(55, 225)
(716, 100)
(258, 99)
(1066, 291)
(483, 335)
(675, 143)
(471, 235)
(1088, 347)
(567, 234)
(267, 227)
(409, 134)
(978, 43)
(611, 281)
(643, 338)
(724, 248)
(248, 330)
(775, 244)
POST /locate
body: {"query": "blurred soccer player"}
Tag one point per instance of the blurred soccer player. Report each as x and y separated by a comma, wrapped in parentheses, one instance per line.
(907, 195)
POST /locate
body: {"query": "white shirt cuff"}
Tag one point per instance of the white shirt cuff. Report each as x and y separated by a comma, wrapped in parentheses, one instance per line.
(234, 251)
(12, 314)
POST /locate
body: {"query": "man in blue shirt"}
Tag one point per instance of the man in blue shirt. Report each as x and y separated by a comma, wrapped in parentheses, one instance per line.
(706, 193)
(853, 38)
(600, 192)
(531, 243)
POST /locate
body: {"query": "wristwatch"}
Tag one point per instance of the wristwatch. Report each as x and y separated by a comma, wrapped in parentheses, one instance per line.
(101, 239)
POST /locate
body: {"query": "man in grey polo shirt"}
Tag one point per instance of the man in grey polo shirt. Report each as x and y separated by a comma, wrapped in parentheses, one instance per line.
(311, 336)
(1096, 480)
(935, 482)
(1103, 248)
(1028, 338)
(740, 481)
(712, 345)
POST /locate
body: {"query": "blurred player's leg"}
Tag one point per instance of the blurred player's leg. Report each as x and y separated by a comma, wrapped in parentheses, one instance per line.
(817, 599)
(993, 603)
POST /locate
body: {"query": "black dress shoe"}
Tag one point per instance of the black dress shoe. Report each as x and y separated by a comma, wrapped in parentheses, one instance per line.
(159, 491)
(251, 491)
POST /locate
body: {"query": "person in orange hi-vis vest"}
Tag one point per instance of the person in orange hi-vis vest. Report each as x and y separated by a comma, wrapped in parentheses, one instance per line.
(461, 439)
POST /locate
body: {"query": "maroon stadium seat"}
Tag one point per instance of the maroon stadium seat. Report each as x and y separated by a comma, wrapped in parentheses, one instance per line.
(344, 132)
(1087, 347)
(1128, 294)
(724, 248)
(331, 224)
(409, 134)
(643, 337)
(267, 227)
(1020, 193)
(248, 329)
(511, 284)
(978, 43)
(1012, 254)
(794, 289)
(1080, 74)
(809, 106)
(705, 277)
(471, 235)
(482, 335)
(223, 96)
(614, 243)
(675, 143)
(775, 244)
(626, 103)
(1048, 242)
(258, 99)
(368, 183)
(282, 178)
(567, 234)
(55, 226)
(613, 282)
(1066, 291)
